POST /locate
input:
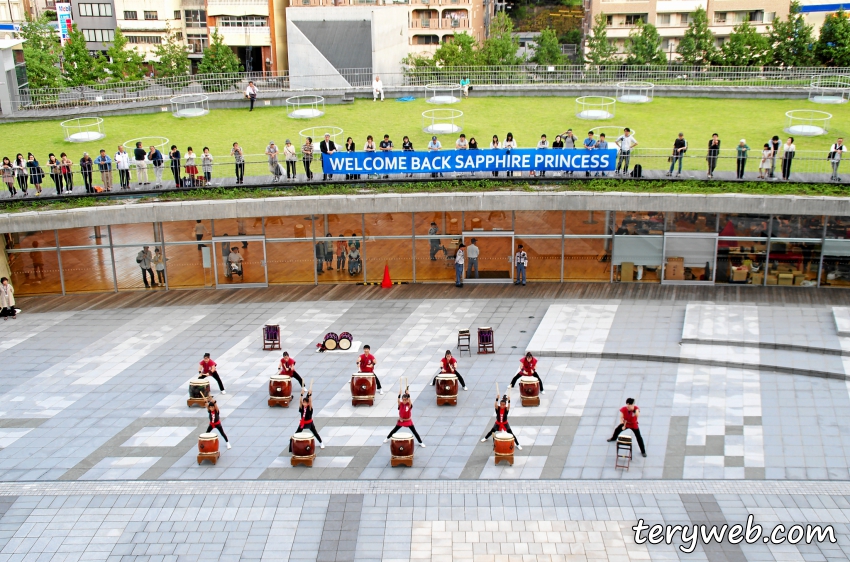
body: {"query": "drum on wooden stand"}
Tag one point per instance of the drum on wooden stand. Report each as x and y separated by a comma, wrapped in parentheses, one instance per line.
(503, 447)
(303, 448)
(331, 341)
(345, 341)
(529, 391)
(199, 391)
(446, 386)
(208, 448)
(363, 386)
(280, 390)
(401, 449)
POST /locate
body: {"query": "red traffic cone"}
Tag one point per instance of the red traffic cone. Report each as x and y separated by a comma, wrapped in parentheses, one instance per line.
(387, 282)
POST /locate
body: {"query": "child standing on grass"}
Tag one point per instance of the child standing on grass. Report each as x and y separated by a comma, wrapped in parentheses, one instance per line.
(764, 165)
(206, 165)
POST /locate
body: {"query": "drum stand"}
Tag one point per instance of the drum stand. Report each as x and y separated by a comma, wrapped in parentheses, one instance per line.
(499, 457)
(530, 400)
(450, 400)
(282, 401)
(212, 457)
(402, 461)
(306, 461)
(202, 402)
(367, 400)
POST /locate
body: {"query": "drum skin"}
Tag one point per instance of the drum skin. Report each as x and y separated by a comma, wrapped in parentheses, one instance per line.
(208, 443)
(345, 340)
(280, 386)
(303, 445)
(446, 385)
(529, 387)
(503, 443)
(363, 384)
(199, 388)
(331, 340)
(402, 444)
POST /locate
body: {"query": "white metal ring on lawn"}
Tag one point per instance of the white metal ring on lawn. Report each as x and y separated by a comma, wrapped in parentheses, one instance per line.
(595, 108)
(830, 89)
(318, 135)
(635, 92)
(807, 122)
(442, 121)
(190, 105)
(83, 129)
(442, 93)
(305, 107)
(160, 143)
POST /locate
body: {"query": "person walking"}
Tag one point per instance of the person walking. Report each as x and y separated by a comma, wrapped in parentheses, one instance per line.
(307, 157)
(208, 368)
(159, 266)
(774, 153)
(239, 160)
(55, 172)
(713, 154)
(327, 147)
(144, 259)
(377, 88)
(788, 150)
(405, 417)
(207, 165)
(434, 243)
(521, 261)
(86, 167)
(290, 155)
(629, 420)
(104, 166)
(154, 156)
(341, 253)
(472, 253)
(625, 142)
(200, 230)
(743, 150)
(7, 299)
(251, 94)
(835, 154)
(122, 164)
(66, 166)
(680, 147)
(459, 265)
(20, 167)
(174, 157)
(140, 157)
(191, 167)
(35, 172)
(764, 165)
(9, 176)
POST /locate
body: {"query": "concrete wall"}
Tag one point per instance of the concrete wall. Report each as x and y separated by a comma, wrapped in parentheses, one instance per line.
(396, 203)
(390, 43)
(308, 68)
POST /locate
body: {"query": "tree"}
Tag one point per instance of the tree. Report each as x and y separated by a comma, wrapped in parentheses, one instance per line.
(697, 47)
(124, 64)
(501, 47)
(219, 58)
(745, 47)
(80, 68)
(173, 58)
(600, 51)
(644, 46)
(833, 46)
(571, 37)
(41, 53)
(461, 51)
(791, 41)
(548, 50)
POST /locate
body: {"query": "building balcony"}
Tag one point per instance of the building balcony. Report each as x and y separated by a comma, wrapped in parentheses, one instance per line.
(245, 36)
(425, 23)
(459, 23)
(142, 25)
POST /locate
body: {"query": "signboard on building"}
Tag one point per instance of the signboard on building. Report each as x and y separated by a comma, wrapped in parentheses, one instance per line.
(63, 14)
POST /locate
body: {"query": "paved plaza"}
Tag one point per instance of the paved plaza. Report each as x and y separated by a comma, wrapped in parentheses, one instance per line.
(742, 409)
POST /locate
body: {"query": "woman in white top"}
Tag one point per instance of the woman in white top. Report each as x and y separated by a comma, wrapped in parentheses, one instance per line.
(206, 164)
(509, 144)
(764, 165)
(191, 167)
(788, 150)
(495, 144)
(541, 144)
(291, 157)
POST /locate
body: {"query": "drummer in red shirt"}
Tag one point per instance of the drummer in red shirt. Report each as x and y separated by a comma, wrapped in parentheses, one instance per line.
(207, 368)
(405, 417)
(448, 366)
(629, 420)
(287, 368)
(528, 368)
(366, 363)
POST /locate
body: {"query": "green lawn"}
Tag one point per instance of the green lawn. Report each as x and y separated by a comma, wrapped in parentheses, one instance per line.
(656, 124)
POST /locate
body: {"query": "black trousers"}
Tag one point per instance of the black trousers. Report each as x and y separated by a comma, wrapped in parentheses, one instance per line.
(307, 169)
(290, 165)
(87, 182)
(57, 181)
(534, 374)
(410, 427)
(198, 237)
(124, 178)
(22, 183)
(160, 275)
(712, 164)
(252, 99)
(459, 378)
(619, 429)
(145, 273)
(69, 180)
(295, 376)
(786, 168)
(340, 261)
(312, 427)
(214, 375)
(507, 429)
(240, 172)
(742, 163)
(11, 187)
(220, 430)
(175, 171)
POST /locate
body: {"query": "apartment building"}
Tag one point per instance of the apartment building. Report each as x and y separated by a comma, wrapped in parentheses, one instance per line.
(815, 11)
(672, 17)
(12, 14)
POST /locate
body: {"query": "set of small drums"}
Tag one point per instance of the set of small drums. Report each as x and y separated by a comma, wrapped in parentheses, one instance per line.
(342, 341)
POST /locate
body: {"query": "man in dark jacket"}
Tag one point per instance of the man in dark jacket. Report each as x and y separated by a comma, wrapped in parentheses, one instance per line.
(155, 158)
(327, 146)
(86, 164)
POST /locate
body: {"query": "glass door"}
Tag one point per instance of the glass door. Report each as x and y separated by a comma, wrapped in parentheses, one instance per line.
(495, 256)
(240, 262)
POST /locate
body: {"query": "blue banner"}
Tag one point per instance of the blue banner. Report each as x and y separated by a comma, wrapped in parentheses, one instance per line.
(490, 160)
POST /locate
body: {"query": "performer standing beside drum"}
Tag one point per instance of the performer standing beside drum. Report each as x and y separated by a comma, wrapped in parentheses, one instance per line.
(287, 368)
(366, 363)
(405, 419)
(502, 424)
(306, 421)
(528, 368)
(207, 367)
(215, 420)
(448, 366)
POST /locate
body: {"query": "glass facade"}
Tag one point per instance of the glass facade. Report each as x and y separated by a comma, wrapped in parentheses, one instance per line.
(562, 246)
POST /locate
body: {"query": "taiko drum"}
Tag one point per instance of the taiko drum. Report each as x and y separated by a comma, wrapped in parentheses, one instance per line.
(402, 444)
(303, 444)
(280, 386)
(529, 387)
(199, 388)
(446, 385)
(363, 385)
(208, 443)
(503, 443)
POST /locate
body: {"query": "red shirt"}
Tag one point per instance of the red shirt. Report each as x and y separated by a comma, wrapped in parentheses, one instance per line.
(630, 418)
(449, 365)
(367, 363)
(207, 365)
(287, 365)
(528, 366)
(404, 411)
